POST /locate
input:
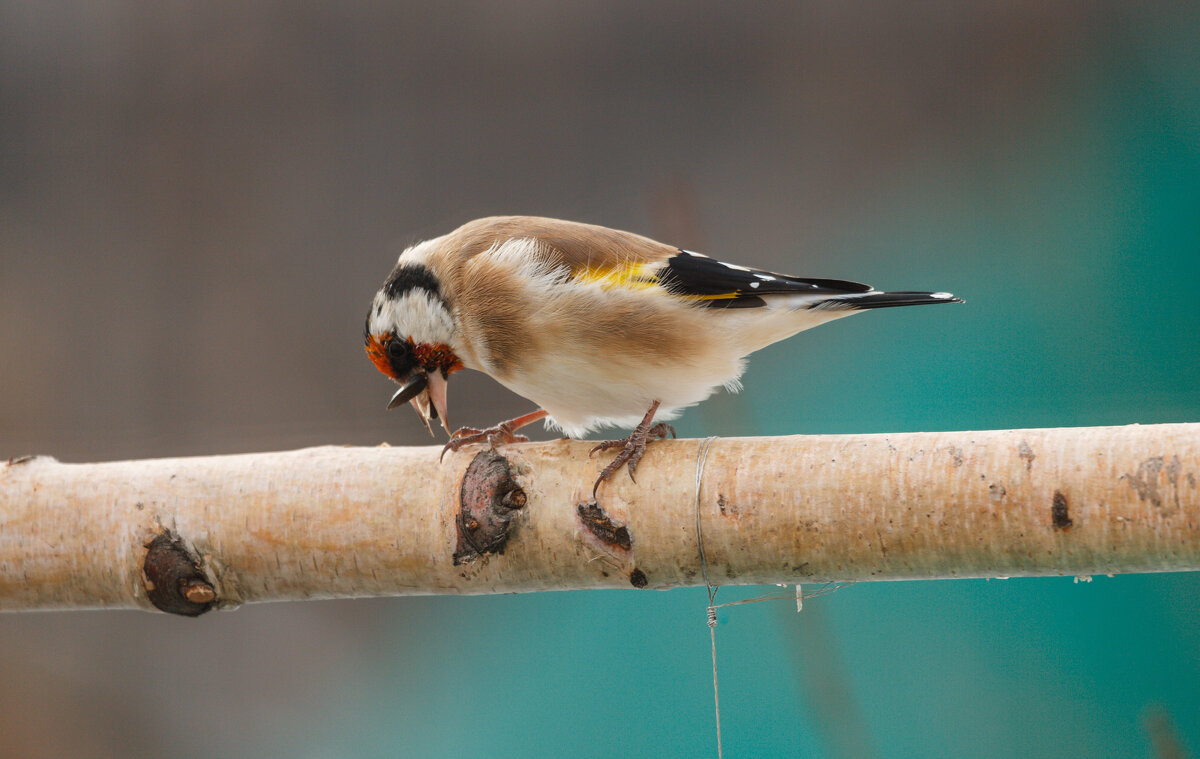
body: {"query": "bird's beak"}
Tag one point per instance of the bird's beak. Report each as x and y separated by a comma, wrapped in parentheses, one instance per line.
(408, 390)
(427, 393)
(437, 396)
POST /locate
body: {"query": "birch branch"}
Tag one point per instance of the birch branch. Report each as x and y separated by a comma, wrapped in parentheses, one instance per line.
(187, 535)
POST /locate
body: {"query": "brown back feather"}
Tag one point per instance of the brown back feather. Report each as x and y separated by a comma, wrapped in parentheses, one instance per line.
(572, 244)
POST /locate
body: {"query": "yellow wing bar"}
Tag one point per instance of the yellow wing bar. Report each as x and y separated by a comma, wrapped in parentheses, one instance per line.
(639, 276)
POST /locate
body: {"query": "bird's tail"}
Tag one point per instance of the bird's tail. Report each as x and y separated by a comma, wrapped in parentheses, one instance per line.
(875, 299)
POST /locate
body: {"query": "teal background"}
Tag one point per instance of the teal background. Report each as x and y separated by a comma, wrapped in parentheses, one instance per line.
(196, 204)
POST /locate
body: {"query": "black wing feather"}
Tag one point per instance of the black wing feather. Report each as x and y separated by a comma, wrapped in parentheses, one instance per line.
(885, 300)
(725, 286)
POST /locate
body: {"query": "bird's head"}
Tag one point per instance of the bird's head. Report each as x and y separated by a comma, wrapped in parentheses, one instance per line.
(408, 336)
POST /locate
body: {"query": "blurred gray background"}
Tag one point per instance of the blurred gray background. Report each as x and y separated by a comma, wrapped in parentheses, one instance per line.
(198, 200)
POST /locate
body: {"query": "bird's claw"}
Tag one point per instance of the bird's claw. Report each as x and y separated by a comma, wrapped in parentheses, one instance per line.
(493, 436)
(632, 450)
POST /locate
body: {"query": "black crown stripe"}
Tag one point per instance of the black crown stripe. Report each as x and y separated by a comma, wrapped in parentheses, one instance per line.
(406, 277)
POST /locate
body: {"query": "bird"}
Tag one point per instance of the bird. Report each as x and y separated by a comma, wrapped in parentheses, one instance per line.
(596, 326)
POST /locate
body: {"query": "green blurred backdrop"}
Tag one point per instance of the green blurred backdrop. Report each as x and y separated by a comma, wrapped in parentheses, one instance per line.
(197, 201)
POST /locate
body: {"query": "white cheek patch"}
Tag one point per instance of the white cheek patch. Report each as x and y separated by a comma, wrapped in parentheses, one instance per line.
(417, 314)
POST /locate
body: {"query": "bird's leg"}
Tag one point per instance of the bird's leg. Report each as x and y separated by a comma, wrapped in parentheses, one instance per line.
(632, 447)
(505, 432)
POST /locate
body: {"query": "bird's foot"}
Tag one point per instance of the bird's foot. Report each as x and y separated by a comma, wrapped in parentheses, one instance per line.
(493, 436)
(632, 448)
(505, 432)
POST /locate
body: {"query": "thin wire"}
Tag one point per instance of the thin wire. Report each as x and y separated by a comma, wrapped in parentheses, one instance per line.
(712, 636)
(711, 611)
(700, 459)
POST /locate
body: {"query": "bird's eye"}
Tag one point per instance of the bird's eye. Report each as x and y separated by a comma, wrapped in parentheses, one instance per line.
(397, 349)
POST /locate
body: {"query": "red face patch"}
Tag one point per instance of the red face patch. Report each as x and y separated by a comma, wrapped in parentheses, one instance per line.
(427, 355)
(377, 352)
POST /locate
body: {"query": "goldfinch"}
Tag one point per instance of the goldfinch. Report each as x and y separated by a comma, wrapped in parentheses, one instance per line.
(596, 326)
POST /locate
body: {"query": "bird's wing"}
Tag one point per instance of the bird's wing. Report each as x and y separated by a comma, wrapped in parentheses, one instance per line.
(623, 260)
(617, 259)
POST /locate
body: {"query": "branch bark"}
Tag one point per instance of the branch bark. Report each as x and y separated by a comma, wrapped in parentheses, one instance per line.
(187, 535)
